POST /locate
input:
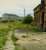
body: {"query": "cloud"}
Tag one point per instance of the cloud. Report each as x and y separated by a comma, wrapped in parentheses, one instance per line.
(17, 6)
(27, 3)
(7, 4)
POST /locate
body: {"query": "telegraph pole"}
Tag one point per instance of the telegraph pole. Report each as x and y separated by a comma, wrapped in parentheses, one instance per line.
(24, 12)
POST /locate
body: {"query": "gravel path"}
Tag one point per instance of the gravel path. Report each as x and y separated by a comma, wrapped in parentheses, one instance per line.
(9, 43)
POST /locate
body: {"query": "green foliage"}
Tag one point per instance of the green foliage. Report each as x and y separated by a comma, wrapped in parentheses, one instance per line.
(13, 38)
(3, 33)
(28, 19)
(3, 38)
(4, 21)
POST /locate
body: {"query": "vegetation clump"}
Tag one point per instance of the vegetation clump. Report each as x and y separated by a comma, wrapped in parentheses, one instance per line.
(28, 19)
(3, 37)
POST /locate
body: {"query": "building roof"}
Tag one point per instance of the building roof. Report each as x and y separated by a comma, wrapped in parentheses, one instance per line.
(7, 14)
(37, 6)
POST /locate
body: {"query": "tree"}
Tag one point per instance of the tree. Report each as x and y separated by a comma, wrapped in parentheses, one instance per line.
(28, 19)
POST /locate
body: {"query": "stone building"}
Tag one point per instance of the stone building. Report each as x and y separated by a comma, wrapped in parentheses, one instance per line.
(40, 15)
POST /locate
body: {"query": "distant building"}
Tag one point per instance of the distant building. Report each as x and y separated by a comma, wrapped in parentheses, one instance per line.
(40, 15)
(9, 17)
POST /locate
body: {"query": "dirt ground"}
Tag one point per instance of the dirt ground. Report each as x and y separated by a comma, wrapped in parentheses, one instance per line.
(31, 41)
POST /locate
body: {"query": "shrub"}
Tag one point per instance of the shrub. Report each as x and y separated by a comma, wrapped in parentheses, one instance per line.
(28, 19)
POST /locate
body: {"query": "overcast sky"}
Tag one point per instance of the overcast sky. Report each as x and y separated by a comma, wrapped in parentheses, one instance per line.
(17, 6)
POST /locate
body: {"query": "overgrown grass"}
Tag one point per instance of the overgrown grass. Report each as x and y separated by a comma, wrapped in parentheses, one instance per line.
(4, 28)
(3, 37)
(20, 25)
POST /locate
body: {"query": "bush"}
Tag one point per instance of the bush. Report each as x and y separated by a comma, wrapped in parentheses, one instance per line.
(28, 19)
(4, 21)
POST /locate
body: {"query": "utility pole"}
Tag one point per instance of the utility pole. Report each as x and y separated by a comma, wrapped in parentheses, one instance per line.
(24, 12)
